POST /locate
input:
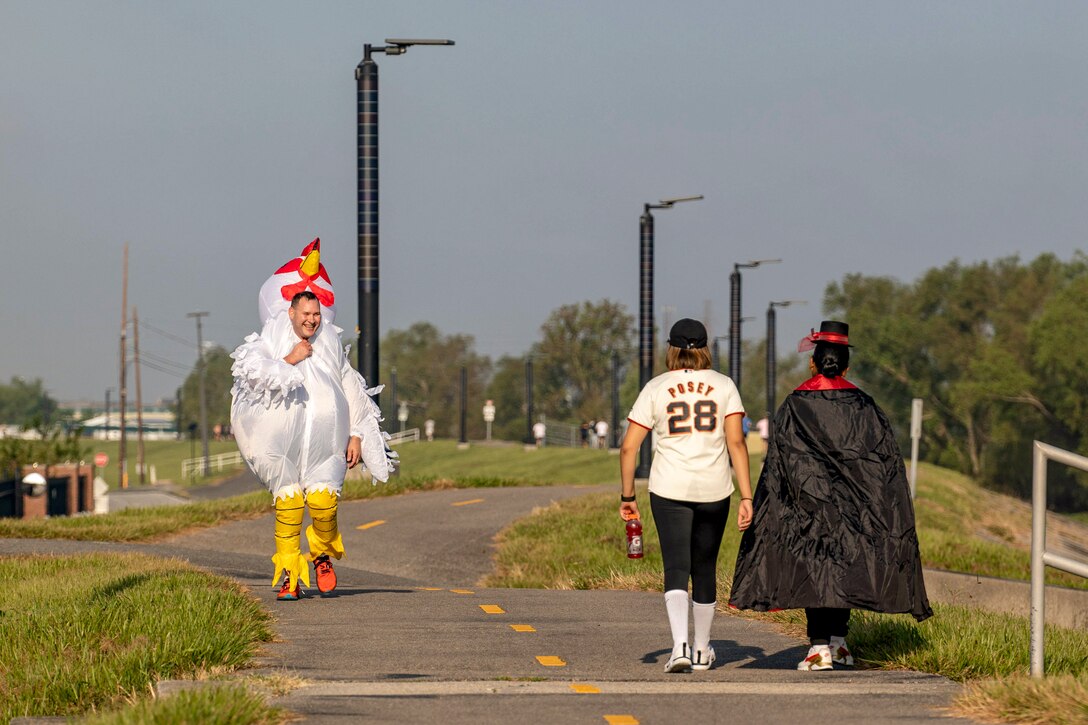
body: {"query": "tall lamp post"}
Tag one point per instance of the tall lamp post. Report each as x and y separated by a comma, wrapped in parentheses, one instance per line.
(715, 354)
(366, 101)
(646, 310)
(529, 438)
(734, 314)
(772, 356)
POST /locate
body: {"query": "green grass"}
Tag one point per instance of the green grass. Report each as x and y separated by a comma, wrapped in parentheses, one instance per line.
(1056, 700)
(954, 514)
(147, 524)
(165, 456)
(218, 704)
(94, 631)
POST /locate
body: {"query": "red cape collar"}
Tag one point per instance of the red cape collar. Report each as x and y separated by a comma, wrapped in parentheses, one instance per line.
(821, 383)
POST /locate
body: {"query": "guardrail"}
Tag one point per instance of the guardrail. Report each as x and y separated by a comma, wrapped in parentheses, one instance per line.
(405, 436)
(1040, 557)
(191, 467)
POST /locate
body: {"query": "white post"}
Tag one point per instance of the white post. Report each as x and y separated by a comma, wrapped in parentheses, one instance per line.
(1038, 548)
(915, 436)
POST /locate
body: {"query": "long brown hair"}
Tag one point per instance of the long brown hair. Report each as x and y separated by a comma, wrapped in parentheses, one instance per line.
(679, 359)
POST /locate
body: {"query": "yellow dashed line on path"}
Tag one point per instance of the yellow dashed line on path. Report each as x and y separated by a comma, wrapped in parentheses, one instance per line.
(522, 627)
(492, 609)
(585, 689)
(430, 589)
(466, 503)
(620, 719)
(550, 661)
(371, 525)
(462, 591)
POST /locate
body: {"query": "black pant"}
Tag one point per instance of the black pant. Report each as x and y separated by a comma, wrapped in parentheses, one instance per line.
(691, 534)
(825, 623)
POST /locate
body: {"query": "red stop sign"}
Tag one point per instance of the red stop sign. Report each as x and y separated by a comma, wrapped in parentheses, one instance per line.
(101, 460)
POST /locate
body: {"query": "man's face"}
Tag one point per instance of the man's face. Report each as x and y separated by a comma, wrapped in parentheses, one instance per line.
(305, 318)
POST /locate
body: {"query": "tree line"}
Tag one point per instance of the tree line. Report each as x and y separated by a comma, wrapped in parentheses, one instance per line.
(998, 352)
(572, 363)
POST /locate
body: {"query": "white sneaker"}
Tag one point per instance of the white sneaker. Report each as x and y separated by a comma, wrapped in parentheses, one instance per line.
(679, 662)
(840, 653)
(704, 658)
(819, 658)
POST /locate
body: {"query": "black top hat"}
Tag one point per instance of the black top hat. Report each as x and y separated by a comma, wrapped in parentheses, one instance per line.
(687, 334)
(831, 332)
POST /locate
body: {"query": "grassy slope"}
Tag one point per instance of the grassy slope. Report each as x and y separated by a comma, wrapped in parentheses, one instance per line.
(165, 456)
(96, 630)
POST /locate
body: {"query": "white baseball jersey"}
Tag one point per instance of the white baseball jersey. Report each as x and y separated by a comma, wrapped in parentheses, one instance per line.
(686, 410)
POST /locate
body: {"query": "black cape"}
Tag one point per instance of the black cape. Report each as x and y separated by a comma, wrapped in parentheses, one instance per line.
(834, 521)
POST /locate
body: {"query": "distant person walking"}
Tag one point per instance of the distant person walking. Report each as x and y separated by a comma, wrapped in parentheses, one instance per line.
(763, 427)
(428, 429)
(539, 432)
(602, 433)
(834, 523)
(695, 413)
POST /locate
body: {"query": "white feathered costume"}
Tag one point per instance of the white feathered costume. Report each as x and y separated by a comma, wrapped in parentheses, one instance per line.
(293, 422)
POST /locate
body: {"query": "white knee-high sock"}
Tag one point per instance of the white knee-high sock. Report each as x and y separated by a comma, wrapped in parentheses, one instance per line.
(703, 614)
(676, 604)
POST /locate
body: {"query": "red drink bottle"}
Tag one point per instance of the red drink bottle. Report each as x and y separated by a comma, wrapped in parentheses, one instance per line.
(634, 539)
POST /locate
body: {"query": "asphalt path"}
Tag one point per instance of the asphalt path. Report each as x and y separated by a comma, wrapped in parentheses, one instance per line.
(410, 637)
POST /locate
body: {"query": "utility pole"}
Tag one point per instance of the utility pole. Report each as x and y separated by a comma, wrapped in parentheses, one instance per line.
(139, 396)
(203, 399)
(122, 463)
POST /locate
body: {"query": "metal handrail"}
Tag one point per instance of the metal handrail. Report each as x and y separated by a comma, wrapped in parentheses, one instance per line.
(404, 436)
(1040, 557)
(190, 467)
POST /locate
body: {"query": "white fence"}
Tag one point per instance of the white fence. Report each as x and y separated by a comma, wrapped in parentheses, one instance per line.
(1040, 557)
(192, 467)
(405, 436)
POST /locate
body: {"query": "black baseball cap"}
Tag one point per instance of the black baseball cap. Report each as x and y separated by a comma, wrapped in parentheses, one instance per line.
(687, 334)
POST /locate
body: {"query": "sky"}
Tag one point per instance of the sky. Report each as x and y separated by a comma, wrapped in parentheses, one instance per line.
(217, 139)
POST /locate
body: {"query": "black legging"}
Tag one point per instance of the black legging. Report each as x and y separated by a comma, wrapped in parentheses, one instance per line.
(691, 534)
(825, 623)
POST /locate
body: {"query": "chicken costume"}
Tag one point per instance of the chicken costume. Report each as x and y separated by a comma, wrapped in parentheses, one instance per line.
(293, 422)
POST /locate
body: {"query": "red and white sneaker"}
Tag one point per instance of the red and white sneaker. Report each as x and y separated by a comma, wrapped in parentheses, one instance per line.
(326, 577)
(819, 658)
(287, 594)
(840, 653)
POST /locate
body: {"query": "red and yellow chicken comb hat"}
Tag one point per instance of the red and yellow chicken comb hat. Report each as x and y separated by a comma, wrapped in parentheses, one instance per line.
(304, 272)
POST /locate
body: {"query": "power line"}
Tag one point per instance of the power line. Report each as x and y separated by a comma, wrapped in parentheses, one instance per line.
(174, 373)
(168, 335)
(165, 361)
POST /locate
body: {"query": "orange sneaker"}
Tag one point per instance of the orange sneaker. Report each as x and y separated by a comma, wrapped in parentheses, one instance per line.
(326, 577)
(287, 594)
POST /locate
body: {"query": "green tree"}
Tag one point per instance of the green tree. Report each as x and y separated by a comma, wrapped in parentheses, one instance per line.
(573, 359)
(507, 390)
(217, 384)
(790, 371)
(428, 366)
(989, 347)
(22, 402)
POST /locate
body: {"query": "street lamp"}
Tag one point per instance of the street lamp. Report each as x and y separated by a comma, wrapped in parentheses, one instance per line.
(646, 310)
(772, 356)
(366, 101)
(530, 439)
(716, 355)
(734, 314)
